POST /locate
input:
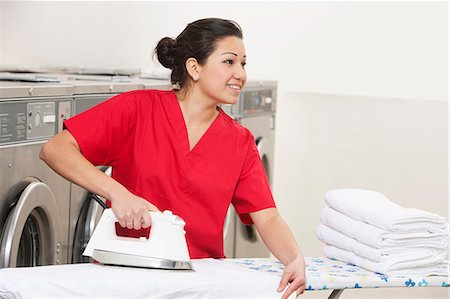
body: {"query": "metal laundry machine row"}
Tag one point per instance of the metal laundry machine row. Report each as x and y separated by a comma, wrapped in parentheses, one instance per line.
(34, 201)
(36, 210)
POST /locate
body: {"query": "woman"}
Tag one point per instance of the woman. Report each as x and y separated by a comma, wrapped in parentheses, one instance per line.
(176, 150)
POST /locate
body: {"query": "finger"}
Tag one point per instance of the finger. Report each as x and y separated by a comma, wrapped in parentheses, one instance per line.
(129, 222)
(123, 223)
(300, 290)
(299, 286)
(151, 207)
(284, 281)
(137, 222)
(287, 293)
(292, 287)
(120, 219)
(302, 286)
(146, 220)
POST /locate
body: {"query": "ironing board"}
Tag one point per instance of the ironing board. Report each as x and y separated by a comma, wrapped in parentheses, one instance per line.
(212, 278)
(327, 274)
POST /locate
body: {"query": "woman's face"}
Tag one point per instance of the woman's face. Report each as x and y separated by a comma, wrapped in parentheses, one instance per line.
(223, 75)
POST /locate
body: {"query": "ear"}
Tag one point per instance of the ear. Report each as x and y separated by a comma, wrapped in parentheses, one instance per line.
(192, 68)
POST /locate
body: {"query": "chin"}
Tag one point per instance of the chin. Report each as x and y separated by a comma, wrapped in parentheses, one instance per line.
(230, 100)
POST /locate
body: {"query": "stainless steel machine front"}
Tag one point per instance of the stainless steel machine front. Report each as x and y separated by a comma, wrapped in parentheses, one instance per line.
(229, 227)
(257, 109)
(34, 201)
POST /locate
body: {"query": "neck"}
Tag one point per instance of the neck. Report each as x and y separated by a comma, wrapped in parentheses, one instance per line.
(195, 109)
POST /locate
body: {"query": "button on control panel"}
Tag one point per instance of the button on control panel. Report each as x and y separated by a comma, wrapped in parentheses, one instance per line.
(41, 119)
(258, 101)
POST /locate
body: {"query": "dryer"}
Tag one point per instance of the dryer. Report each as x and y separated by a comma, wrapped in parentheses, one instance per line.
(229, 226)
(34, 200)
(257, 109)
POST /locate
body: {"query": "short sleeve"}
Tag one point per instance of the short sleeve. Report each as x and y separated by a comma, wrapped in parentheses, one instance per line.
(252, 192)
(104, 130)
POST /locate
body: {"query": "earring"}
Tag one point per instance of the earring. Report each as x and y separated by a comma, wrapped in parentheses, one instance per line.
(195, 77)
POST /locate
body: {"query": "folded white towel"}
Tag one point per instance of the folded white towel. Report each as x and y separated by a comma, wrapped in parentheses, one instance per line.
(397, 254)
(374, 208)
(429, 266)
(377, 237)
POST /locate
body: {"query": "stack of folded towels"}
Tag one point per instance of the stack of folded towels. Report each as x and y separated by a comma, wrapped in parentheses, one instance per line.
(366, 229)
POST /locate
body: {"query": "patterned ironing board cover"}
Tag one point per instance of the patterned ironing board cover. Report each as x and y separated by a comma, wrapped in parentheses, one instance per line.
(327, 274)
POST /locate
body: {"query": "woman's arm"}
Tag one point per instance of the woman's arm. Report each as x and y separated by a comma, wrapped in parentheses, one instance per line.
(280, 241)
(62, 153)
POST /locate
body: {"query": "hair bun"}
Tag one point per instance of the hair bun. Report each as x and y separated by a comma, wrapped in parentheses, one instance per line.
(165, 52)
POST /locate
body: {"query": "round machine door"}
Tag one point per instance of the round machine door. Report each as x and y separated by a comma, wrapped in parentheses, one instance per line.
(263, 148)
(227, 225)
(29, 235)
(229, 231)
(88, 218)
(90, 215)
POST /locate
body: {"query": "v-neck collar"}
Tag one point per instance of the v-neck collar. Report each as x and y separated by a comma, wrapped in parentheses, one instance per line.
(181, 132)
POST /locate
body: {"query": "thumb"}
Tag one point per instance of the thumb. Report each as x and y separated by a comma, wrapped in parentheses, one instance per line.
(283, 282)
(152, 207)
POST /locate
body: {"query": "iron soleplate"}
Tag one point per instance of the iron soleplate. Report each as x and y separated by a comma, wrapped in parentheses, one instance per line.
(123, 259)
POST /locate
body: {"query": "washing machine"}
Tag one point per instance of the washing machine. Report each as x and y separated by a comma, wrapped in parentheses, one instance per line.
(257, 109)
(85, 212)
(34, 200)
(229, 227)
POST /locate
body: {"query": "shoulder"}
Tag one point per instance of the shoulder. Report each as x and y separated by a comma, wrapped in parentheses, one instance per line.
(146, 94)
(241, 133)
(141, 99)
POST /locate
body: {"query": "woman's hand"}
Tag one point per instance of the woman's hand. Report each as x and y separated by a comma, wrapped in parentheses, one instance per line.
(132, 211)
(294, 275)
(279, 239)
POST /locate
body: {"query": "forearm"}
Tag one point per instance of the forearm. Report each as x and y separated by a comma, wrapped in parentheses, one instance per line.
(63, 155)
(276, 235)
(278, 238)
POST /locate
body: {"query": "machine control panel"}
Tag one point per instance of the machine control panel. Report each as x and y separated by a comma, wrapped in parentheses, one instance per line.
(258, 101)
(41, 119)
(22, 121)
(231, 109)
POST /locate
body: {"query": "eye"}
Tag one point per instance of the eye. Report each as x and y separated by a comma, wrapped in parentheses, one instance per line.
(229, 61)
(243, 64)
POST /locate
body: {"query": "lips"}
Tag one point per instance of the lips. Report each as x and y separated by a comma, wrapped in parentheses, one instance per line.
(234, 86)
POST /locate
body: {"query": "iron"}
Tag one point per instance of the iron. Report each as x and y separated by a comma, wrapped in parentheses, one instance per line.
(163, 246)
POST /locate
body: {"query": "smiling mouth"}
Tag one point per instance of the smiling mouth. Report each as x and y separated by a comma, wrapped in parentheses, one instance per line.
(234, 86)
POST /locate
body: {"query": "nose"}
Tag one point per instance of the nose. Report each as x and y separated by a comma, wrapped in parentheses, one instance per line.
(240, 73)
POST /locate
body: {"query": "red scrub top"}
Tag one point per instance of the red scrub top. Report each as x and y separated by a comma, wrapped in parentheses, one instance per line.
(143, 136)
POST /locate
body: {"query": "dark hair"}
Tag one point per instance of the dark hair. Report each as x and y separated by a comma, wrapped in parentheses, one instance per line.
(198, 40)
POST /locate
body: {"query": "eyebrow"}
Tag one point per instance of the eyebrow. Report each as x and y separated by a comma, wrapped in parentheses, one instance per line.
(232, 54)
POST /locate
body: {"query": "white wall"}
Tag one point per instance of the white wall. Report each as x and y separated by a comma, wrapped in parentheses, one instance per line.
(363, 87)
(387, 48)
(396, 146)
